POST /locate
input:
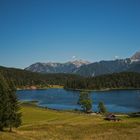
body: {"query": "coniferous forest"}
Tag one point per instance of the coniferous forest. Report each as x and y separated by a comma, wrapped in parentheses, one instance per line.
(21, 78)
(122, 80)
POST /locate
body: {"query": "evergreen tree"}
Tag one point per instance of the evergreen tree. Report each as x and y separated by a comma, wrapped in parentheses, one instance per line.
(14, 116)
(3, 102)
(102, 108)
(9, 108)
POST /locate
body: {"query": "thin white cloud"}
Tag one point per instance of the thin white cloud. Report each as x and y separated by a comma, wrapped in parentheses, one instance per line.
(73, 57)
(116, 57)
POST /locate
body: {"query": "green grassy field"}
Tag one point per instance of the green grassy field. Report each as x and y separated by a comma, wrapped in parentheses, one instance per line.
(42, 124)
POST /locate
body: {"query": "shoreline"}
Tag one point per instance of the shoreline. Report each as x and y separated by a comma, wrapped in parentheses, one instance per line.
(39, 88)
(82, 90)
(107, 89)
(35, 104)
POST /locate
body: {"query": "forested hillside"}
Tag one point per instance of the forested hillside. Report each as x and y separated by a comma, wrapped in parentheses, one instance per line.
(23, 78)
(111, 81)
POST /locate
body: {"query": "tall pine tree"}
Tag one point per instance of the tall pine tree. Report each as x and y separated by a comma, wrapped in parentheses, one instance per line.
(9, 106)
(14, 116)
(4, 91)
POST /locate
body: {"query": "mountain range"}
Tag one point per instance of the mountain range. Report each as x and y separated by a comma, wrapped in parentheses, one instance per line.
(86, 68)
(68, 67)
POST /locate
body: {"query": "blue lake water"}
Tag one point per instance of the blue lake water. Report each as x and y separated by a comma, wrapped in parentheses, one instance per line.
(123, 101)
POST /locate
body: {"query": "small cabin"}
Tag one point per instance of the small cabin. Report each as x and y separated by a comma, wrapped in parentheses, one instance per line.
(112, 117)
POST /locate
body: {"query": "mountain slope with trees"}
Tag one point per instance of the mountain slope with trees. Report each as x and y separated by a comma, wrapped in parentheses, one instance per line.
(22, 78)
(122, 80)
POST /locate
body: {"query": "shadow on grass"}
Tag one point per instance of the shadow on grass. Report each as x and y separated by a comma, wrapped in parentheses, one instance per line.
(134, 115)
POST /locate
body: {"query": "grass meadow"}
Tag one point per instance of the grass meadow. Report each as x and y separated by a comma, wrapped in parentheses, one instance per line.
(45, 124)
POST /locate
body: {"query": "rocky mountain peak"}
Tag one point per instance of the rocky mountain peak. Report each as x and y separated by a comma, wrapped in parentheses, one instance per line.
(52, 67)
(85, 68)
(136, 56)
(79, 63)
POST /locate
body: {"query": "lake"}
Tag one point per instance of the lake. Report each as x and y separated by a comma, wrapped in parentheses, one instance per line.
(122, 101)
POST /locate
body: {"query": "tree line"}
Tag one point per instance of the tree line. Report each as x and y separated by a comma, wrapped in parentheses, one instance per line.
(22, 78)
(111, 81)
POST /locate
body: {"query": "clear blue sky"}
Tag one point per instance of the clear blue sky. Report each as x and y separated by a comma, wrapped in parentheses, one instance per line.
(56, 30)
